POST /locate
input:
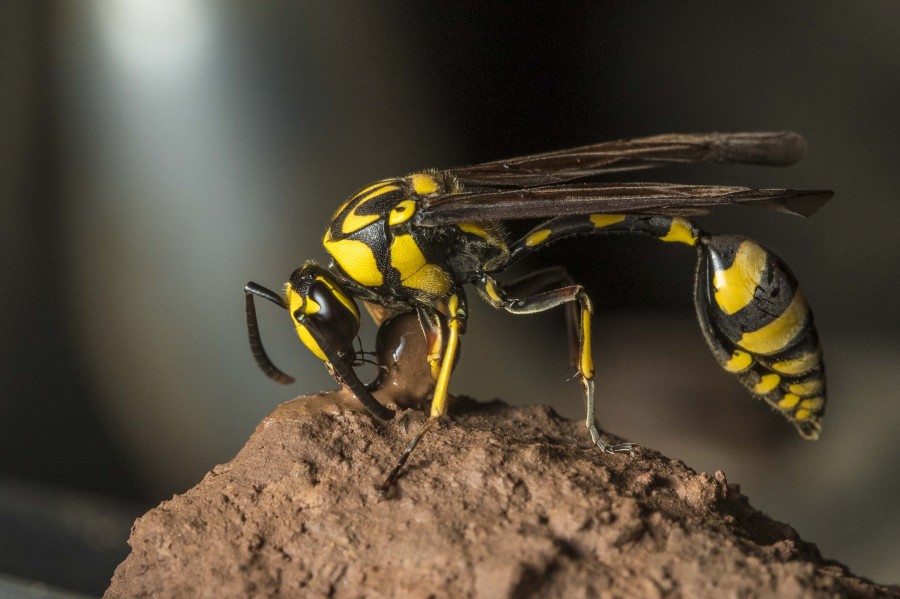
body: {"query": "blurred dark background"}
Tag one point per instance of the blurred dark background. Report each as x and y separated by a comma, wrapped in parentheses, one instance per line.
(155, 155)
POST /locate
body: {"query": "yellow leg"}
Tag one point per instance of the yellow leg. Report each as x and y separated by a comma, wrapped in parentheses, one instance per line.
(439, 403)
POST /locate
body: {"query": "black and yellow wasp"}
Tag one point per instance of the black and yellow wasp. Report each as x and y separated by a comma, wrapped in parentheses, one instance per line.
(412, 243)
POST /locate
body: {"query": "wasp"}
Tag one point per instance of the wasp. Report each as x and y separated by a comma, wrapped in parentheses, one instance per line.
(412, 244)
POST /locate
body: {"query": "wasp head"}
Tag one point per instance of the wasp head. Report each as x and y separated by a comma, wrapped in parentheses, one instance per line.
(322, 311)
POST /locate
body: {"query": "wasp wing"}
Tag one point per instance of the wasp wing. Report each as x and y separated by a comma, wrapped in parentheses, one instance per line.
(611, 198)
(778, 148)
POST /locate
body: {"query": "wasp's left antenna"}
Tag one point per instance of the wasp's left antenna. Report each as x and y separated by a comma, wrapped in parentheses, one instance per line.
(256, 346)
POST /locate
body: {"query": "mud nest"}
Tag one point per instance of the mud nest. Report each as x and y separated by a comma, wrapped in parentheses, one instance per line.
(498, 501)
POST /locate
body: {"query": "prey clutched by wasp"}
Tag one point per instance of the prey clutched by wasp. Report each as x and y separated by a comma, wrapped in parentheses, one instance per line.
(412, 244)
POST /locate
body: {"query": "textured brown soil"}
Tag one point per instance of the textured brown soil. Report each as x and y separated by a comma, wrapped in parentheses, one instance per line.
(498, 502)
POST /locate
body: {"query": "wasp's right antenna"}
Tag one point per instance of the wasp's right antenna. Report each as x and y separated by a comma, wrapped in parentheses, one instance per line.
(256, 346)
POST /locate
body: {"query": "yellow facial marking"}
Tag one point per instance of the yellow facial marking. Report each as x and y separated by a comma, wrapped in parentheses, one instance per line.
(739, 361)
(354, 222)
(779, 333)
(605, 220)
(766, 383)
(537, 237)
(402, 212)
(736, 284)
(680, 232)
(423, 184)
(357, 260)
(309, 342)
(293, 298)
(788, 401)
(295, 302)
(813, 403)
(807, 388)
(587, 361)
(799, 365)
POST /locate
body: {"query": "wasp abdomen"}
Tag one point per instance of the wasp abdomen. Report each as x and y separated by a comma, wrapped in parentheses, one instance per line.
(759, 326)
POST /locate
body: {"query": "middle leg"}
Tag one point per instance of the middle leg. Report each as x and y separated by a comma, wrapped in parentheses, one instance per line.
(578, 306)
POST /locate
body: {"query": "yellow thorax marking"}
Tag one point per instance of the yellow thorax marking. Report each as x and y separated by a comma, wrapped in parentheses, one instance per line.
(402, 212)
(296, 302)
(431, 279)
(779, 333)
(360, 193)
(736, 285)
(423, 184)
(353, 221)
(415, 271)
(356, 259)
(680, 231)
(406, 256)
(474, 229)
(488, 233)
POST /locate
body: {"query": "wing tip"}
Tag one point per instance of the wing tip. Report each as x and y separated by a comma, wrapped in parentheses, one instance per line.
(805, 202)
(773, 148)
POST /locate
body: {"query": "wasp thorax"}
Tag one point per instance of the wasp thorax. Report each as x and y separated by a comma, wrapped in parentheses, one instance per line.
(323, 313)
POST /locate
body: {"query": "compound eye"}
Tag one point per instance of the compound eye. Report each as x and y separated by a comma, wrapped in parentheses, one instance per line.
(331, 312)
(402, 212)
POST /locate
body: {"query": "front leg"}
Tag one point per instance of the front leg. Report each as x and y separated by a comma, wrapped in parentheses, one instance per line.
(455, 320)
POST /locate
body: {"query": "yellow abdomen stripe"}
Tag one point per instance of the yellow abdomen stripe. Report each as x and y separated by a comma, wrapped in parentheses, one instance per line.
(736, 285)
(779, 333)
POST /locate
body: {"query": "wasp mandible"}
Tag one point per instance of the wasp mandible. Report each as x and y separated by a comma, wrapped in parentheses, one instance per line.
(411, 244)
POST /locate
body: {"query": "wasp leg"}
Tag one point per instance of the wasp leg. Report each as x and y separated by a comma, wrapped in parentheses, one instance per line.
(456, 318)
(433, 328)
(546, 279)
(499, 298)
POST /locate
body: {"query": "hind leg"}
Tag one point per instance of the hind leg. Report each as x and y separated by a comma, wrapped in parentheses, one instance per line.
(578, 305)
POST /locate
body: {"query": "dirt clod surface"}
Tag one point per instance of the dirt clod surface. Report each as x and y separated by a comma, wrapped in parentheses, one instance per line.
(497, 502)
